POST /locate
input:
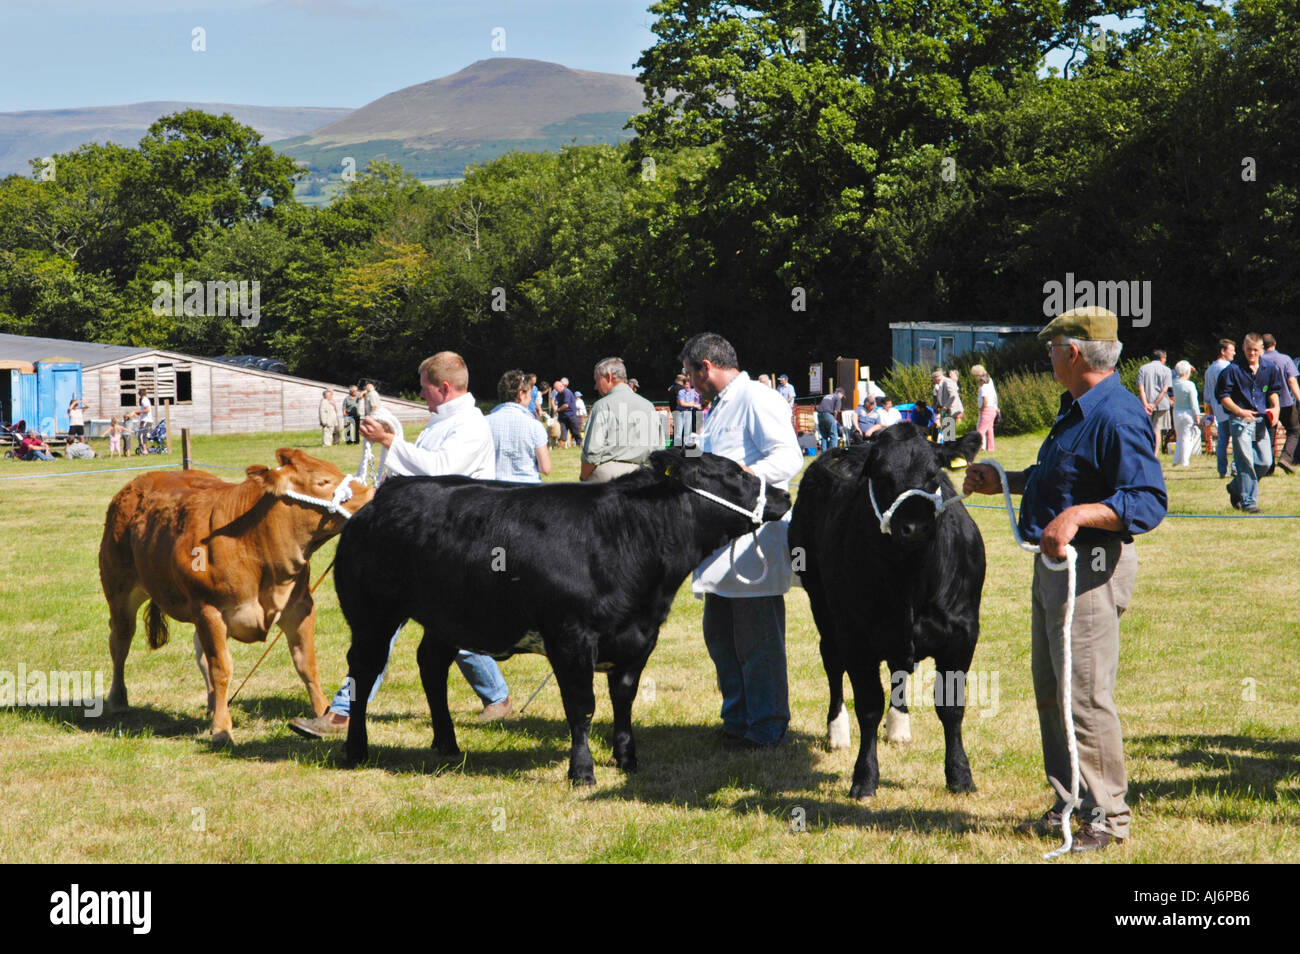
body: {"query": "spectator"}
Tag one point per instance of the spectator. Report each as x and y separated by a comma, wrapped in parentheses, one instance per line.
(33, 448)
(764, 380)
(371, 401)
(885, 415)
(1248, 389)
(143, 422)
(828, 416)
(623, 430)
(990, 413)
(634, 384)
(1288, 408)
(76, 418)
(534, 396)
(864, 417)
(115, 432)
(687, 407)
(1186, 411)
(947, 398)
(566, 411)
(352, 416)
(1154, 384)
(457, 440)
(519, 438)
(744, 622)
(1096, 485)
(1227, 351)
(786, 389)
(545, 400)
(329, 418)
(78, 449)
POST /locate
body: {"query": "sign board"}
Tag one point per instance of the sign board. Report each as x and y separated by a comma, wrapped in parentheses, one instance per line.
(815, 378)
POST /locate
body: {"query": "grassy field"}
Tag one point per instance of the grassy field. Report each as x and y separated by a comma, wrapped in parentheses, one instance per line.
(1209, 694)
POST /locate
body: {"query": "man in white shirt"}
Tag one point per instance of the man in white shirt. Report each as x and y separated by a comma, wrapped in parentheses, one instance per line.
(744, 622)
(457, 440)
(885, 415)
(144, 421)
(1227, 351)
(785, 389)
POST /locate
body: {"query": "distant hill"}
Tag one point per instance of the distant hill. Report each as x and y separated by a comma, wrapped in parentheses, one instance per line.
(44, 132)
(488, 108)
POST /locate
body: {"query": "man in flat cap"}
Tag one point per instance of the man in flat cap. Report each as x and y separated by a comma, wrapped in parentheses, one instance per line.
(1096, 484)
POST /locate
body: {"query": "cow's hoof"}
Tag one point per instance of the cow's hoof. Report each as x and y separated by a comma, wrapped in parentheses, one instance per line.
(627, 765)
(587, 778)
(447, 751)
(355, 759)
(898, 727)
(862, 791)
(837, 731)
(962, 787)
(222, 740)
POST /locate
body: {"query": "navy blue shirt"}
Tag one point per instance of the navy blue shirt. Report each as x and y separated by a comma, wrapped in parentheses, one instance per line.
(1249, 391)
(563, 397)
(1100, 450)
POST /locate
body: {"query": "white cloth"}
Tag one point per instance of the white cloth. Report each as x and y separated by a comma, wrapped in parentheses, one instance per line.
(988, 395)
(457, 440)
(1189, 437)
(147, 407)
(750, 424)
(1212, 379)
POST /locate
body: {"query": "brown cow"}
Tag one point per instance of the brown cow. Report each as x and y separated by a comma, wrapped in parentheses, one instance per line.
(230, 558)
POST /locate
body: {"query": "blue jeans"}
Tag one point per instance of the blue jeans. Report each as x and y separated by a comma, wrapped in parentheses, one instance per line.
(828, 431)
(746, 640)
(683, 427)
(1221, 447)
(481, 672)
(1252, 449)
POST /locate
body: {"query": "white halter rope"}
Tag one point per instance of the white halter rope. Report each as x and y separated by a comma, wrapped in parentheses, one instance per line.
(343, 492)
(755, 515)
(936, 499)
(1069, 565)
(394, 426)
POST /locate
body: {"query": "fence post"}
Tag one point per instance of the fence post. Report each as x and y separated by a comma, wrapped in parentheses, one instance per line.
(185, 448)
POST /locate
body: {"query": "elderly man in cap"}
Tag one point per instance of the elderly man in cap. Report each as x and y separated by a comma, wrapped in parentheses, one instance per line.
(1096, 485)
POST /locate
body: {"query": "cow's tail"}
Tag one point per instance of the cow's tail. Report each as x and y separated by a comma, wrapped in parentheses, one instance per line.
(155, 626)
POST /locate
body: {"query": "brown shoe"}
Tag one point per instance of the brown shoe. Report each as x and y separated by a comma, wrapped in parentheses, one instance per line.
(1093, 838)
(329, 726)
(505, 709)
(1049, 823)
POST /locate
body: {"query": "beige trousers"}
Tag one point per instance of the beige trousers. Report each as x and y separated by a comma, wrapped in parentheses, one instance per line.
(1106, 576)
(610, 470)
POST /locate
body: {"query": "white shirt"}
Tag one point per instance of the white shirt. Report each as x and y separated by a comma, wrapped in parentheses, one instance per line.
(1211, 379)
(457, 440)
(750, 424)
(988, 395)
(147, 407)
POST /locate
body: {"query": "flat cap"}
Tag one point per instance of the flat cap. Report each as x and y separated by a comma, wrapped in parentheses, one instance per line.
(1087, 324)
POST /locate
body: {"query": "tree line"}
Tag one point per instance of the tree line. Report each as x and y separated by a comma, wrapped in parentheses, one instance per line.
(804, 173)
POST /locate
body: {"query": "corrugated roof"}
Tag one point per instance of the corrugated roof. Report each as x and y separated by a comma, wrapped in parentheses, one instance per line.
(25, 348)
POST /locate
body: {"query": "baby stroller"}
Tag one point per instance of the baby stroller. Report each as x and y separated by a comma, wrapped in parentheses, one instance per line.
(155, 442)
(11, 437)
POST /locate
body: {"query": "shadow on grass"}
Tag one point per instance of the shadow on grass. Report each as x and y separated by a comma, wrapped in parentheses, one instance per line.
(138, 720)
(1238, 766)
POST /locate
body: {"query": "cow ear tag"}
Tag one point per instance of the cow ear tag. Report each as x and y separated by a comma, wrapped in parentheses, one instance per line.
(957, 463)
(668, 471)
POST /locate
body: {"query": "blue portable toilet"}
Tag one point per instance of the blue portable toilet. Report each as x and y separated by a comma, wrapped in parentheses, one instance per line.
(18, 392)
(57, 383)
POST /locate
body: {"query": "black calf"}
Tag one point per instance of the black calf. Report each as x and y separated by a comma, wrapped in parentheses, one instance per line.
(589, 570)
(896, 597)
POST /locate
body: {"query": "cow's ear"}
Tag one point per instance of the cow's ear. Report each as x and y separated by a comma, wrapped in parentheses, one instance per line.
(666, 463)
(288, 455)
(271, 480)
(958, 453)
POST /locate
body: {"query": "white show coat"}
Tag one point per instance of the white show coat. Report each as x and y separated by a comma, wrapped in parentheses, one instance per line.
(457, 440)
(750, 424)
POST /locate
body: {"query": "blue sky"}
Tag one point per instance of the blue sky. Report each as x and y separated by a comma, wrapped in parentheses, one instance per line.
(63, 53)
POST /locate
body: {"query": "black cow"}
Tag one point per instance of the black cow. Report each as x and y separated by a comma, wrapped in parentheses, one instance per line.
(897, 597)
(584, 572)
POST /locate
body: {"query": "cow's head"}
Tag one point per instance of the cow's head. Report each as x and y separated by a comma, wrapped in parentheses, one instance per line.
(310, 477)
(723, 478)
(900, 459)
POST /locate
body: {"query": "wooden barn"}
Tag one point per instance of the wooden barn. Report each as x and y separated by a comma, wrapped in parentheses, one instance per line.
(207, 395)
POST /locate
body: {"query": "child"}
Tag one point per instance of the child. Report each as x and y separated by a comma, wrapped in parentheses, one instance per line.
(115, 432)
